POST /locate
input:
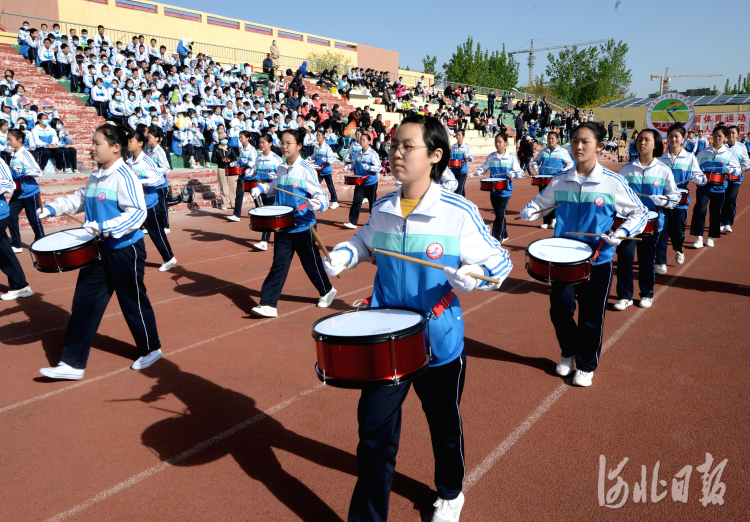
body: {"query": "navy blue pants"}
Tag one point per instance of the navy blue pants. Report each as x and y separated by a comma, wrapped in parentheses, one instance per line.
(29, 204)
(285, 245)
(646, 263)
(379, 416)
(714, 201)
(162, 193)
(461, 179)
(674, 229)
(729, 208)
(499, 205)
(120, 271)
(44, 154)
(549, 216)
(9, 265)
(331, 188)
(360, 193)
(582, 340)
(155, 225)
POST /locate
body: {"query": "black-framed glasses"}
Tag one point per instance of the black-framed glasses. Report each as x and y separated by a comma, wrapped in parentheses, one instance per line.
(405, 148)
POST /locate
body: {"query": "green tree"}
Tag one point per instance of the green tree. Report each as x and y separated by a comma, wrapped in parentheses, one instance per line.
(472, 66)
(727, 89)
(429, 63)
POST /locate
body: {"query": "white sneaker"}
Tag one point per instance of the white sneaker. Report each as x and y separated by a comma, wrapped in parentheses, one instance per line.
(679, 257)
(261, 246)
(264, 311)
(565, 366)
(365, 200)
(145, 231)
(147, 360)
(728, 228)
(645, 302)
(582, 378)
(622, 304)
(326, 300)
(15, 294)
(334, 205)
(710, 242)
(661, 269)
(233, 218)
(698, 242)
(544, 225)
(17, 250)
(349, 225)
(67, 171)
(76, 171)
(167, 231)
(554, 222)
(448, 510)
(62, 371)
(722, 228)
(168, 265)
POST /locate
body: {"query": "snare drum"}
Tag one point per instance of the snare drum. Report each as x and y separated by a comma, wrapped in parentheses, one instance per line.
(542, 180)
(353, 179)
(684, 196)
(715, 178)
(271, 219)
(371, 347)
(559, 259)
(454, 164)
(234, 171)
(651, 226)
(67, 250)
(249, 184)
(490, 184)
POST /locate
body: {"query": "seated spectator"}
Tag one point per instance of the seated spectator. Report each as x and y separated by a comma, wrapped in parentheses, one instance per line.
(344, 88)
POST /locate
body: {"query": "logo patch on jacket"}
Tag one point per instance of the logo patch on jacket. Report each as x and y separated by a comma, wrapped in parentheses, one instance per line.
(295, 184)
(101, 196)
(435, 251)
(599, 201)
(656, 183)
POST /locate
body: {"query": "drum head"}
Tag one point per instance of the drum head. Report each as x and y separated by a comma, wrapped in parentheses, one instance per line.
(560, 250)
(271, 211)
(652, 215)
(60, 241)
(683, 191)
(543, 176)
(366, 323)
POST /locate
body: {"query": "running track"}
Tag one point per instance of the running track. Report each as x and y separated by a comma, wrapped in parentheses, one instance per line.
(233, 424)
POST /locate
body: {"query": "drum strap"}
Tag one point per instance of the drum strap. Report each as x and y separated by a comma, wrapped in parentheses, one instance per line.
(596, 254)
(302, 207)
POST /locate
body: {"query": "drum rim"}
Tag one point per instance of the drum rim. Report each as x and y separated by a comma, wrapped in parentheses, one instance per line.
(493, 180)
(275, 216)
(588, 260)
(64, 250)
(370, 339)
(376, 383)
(543, 176)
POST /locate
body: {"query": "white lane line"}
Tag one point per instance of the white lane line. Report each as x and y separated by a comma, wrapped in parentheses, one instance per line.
(135, 479)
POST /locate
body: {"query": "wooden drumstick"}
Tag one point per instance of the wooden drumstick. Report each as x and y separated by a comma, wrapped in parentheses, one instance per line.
(538, 212)
(433, 265)
(602, 235)
(71, 216)
(649, 195)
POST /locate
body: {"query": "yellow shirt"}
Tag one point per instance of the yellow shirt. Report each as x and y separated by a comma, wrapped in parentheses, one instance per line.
(408, 206)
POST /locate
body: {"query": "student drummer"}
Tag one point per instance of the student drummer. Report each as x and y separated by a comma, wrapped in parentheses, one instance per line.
(589, 196)
(448, 229)
(365, 162)
(17, 285)
(551, 160)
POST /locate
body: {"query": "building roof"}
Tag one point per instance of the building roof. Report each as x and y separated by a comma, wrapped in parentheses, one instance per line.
(721, 99)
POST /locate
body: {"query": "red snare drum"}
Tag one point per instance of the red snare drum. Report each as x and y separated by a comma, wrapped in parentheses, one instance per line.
(272, 218)
(234, 171)
(371, 347)
(715, 178)
(542, 180)
(18, 184)
(455, 164)
(67, 250)
(651, 226)
(733, 177)
(490, 184)
(249, 184)
(353, 179)
(684, 196)
(559, 259)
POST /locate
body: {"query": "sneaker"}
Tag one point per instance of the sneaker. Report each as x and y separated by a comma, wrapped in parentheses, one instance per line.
(365, 200)
(645, 302)
(168, 265)
(326, 300)
(554, 222)
(17, 250)
(698, 242)
(679, 257)
(622, 304)
(264, 311)
(261, 246)
(349, 225)
(233, 218)
(67, 171)
(661, 269)
(565, 366)
(144, 231)
(728, 228)
(334, 205)
(147, 360)
(167, 231)
(544, 225)
(76, 171)
(448, 510)
(722, 228)
(582, 378)
(710, 242)
(62, 371)
(15, 294)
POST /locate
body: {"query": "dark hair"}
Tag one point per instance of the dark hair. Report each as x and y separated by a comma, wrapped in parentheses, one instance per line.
(115, 135)
(502, 135)
(267, 138)
(723, 130)
(595, 128)
(156, 131)
(365, 135)
(735, 127)
(245, 134)
(17, 134)
(138, 136)
(299, 135)
(435, 137)
(658, 142)
(551, 133)
(677, 127)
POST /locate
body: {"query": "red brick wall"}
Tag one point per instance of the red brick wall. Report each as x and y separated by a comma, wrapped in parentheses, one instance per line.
(376, 58)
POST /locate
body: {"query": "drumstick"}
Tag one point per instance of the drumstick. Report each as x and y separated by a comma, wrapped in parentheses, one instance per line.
(81, 222)
(602, 235)
(433, 265)
(649, 195)
(538, 211)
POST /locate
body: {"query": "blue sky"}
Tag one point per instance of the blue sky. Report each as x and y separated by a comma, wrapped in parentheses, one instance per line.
(659, 33)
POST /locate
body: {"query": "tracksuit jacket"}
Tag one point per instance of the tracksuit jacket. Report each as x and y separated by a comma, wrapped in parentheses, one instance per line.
(462, 153)
(654, 179)
(553, 162)
(29, 170)
(723, 161)
(504, 167)
(150, 175)
(323, 156)
(367, 164)
(684, 166)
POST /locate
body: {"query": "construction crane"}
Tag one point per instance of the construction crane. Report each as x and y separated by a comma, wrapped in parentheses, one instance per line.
(666, 77)
(531, 50)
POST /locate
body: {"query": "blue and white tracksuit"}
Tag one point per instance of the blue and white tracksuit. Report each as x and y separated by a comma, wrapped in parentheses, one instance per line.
(364, 163)
(159, 157)
(323, 156)
(8, 262)
(24, 170)
(552, 162)
(463, 154)
(729, 208)
(502, 166)
(723, 161)
(151, 177)
(248, 157)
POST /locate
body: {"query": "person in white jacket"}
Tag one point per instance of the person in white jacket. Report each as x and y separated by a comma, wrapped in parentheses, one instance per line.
(24, 170)
(17, 284)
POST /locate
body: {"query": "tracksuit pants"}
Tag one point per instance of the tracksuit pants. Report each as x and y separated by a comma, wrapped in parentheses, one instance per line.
(646, 264)
(155, 225)
(162, 193)
(729, 208)
(674, 229)
(714, 201)
(9, 264)
(29, 204)
(550, 216)
(120, 271)
(70, 158)
(379, 416)
(331, 188)
(499, 205)
(285, 245)
(461, 179)
(582, 340)
(360, 193)
(44, 154)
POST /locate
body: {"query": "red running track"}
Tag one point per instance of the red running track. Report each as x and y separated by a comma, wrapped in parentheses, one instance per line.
(233, 424)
